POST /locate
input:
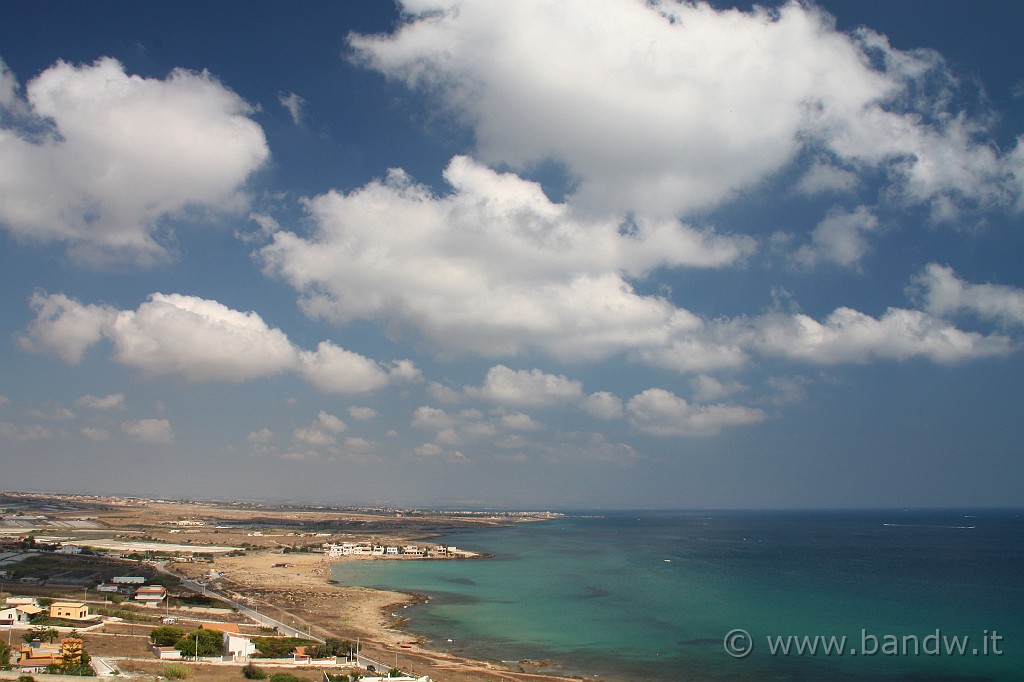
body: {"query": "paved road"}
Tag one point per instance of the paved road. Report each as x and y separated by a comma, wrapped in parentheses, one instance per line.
(260, 618)
(267, 621)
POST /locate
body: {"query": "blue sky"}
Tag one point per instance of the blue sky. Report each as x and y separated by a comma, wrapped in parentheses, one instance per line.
(529, 254)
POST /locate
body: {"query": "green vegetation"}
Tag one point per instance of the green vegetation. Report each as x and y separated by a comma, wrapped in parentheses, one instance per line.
(166, 635)
(176, 671)
(251, 672)
(331, 647)
(279, 647)
(5, 656)
(79, 669)
(199, 600)
(73, 660)
(26, 678)
(124, 613)
(40, 632)
(200, 642)
(286, 677)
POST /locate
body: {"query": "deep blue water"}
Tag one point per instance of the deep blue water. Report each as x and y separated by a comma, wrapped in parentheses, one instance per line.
(651, 595)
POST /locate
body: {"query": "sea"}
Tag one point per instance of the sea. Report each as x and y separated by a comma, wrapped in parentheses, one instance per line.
(792, 596)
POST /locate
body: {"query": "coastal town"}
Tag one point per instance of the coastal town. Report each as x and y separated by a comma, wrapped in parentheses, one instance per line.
(129, 587)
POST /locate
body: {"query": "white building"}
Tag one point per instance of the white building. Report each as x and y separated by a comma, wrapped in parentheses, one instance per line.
(150, 594)
(128, 580)
(18, 615)
(238, 647)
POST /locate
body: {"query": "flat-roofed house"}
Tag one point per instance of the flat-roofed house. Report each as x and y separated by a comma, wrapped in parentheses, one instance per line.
(128, 580)
(69, 610)
(151, 595)
(22, 601)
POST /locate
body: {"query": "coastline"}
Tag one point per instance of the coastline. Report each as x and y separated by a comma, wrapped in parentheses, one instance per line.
(305, 595)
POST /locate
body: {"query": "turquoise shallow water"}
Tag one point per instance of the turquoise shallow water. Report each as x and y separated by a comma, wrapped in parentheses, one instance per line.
(651, 595)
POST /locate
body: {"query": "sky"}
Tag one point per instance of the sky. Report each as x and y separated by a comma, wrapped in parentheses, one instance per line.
(573, 254)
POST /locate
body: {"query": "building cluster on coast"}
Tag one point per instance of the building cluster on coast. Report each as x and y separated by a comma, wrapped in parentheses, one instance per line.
(366, 549)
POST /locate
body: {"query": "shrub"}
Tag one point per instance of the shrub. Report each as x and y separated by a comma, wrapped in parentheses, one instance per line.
(279, 647)
(251, 672)
(176, 671)
(26, 678)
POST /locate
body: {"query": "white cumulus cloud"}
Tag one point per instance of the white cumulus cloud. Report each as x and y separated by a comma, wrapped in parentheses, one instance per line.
(109, 402)
(200, 340)
(945, 293)
(495, 267)
(155, 431)
(662, 413)
(840, 238)
(122, 154)
(526, 387)
(668, 107)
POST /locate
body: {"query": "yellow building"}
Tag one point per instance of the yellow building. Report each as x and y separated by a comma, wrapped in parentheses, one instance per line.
(69, 610)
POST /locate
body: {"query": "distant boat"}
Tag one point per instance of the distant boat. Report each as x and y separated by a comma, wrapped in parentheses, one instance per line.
(668, 560)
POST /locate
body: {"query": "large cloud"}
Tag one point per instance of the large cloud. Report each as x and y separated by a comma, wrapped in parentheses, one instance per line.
(172, 334)
(498, 269)
(119, 155)
(200, 340)
(494, 267)
(668, 107)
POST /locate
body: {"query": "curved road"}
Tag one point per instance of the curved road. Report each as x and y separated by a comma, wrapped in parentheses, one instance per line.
(265, 620)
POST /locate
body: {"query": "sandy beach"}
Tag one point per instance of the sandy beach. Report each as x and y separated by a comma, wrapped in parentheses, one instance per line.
(308, 600)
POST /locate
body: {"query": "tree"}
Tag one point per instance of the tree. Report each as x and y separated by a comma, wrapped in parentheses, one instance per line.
(5, 656)
(331, 647)
(166, 635)
(40, 632)
(200, 642)
(73, 659)
(338, 647)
